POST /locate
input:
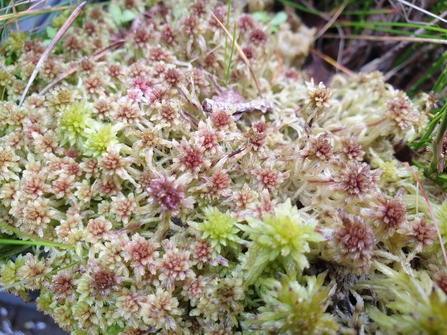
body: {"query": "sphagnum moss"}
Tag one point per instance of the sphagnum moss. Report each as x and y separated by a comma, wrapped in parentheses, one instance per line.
(284, 213)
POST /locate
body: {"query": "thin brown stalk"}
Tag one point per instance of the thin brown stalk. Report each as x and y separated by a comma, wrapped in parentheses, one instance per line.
(327, 17)
(15, 13)
(279, 68)
(74, 68)
(331, 21)
(241, 53)
(333, 62)
(50, 48)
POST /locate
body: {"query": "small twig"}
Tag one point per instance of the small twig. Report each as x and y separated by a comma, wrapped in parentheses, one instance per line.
(431, 211)
(50, 48)
(73, 69)
(241, 53)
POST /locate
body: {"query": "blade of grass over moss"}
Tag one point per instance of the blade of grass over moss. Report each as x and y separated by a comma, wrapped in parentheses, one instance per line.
(37, 243)
(419, 142)
(33, 240)
(241, 53)
(227, 73)
(50, 48)
(227, 25)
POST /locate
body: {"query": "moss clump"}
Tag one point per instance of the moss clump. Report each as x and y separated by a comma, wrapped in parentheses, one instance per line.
(174, 198)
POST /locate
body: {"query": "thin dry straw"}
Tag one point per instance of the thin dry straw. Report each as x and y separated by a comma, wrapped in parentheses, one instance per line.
(330, 22)
(50, 48)
(96, 56)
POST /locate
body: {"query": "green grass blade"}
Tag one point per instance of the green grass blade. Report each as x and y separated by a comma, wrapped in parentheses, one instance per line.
(9, 251)
(227, 24)
(376, 25)
(440, 83)
(299, 7)
(426, 134)
(227, 74)
(38, 242)
(10, 16)
(33, 240)
(366, 12)
(438, 141)
(362, 17)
